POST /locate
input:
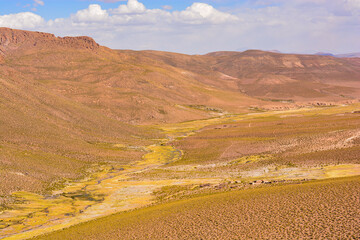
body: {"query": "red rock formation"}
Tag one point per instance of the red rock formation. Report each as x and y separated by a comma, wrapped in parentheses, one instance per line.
(12, 40)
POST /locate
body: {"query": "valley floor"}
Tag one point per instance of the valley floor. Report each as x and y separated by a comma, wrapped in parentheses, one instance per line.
(278, 170)
(327, 209)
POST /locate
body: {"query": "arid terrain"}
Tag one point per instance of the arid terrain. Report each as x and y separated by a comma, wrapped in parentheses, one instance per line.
(155, 145)
(325, 209)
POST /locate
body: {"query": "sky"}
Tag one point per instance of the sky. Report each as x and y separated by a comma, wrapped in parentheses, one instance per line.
(196, 27)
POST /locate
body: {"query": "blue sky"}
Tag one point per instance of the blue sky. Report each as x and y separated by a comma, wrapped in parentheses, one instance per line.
(196, 26)
(64, 8)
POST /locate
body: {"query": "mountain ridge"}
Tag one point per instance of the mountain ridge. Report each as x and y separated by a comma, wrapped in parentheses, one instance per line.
(13, 40)
(349, 55)
(276, 76)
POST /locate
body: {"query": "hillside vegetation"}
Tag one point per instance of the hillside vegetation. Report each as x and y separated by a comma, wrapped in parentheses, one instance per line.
(325, 209)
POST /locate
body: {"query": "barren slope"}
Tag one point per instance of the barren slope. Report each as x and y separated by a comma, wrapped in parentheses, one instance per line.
(121, 85)
(66, 102)
(44, 135)
(274, 76)
(289, 76)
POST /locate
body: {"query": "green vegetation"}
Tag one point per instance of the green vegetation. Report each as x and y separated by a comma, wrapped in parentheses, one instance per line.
(251, 159)
(278, 100)
(206, 108)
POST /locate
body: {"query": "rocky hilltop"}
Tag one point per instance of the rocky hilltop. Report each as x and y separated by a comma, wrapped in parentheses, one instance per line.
(13, 40)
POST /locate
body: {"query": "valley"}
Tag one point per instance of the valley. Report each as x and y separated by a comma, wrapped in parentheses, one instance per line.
(97, 143)
(164, 174)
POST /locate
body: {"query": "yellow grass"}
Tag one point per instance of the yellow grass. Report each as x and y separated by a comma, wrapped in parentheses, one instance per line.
(322, 209)
(112, 189)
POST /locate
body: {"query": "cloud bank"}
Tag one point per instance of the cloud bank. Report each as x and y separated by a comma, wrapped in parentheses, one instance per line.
(285, 25)
(24, 20)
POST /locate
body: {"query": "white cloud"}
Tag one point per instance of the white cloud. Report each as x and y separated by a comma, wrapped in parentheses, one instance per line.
(93, 13)
(288, 26)
(167, 7)
(21, 20)
(132, 6)
(111, 1)
(353, 5)
(202, 12)
(39, 2)
(337, 7)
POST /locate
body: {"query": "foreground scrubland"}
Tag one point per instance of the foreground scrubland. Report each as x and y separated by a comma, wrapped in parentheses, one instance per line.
(327, 209)
(242, 154)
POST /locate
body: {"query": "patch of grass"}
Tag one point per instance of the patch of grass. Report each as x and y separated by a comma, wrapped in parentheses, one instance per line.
(257, 109)
(206, 108)
(56, 185)
(252, 159)
(161, 155)
(169, 191)
(162, 111)
(117, 146)
(278, 100)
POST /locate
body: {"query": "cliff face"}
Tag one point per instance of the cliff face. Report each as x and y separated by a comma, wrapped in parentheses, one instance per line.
(12, 40)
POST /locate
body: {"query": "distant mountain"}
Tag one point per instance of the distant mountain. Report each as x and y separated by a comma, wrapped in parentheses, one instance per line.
(288, 76)
(274, 51)
(324, 54)
(349, 55)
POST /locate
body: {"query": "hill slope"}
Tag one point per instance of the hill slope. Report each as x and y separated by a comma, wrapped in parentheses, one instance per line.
(275, 76)
(122, 85)
(289, 76)
(65, 103)
(300, 211)
(61, 97)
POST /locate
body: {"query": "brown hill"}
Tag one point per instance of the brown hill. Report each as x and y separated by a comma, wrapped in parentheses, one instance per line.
(63, 99)
(45, 136)
(275, 76)
(12, 40)
(290, 76)
(66, 102)
(128, 86)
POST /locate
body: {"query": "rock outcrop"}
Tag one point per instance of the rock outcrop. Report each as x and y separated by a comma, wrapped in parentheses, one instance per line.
(13, 40)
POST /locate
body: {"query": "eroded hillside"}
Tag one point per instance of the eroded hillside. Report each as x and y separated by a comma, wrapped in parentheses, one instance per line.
(274, 76)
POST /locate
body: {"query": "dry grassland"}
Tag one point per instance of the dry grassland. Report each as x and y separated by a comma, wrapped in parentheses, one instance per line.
(327, 209)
